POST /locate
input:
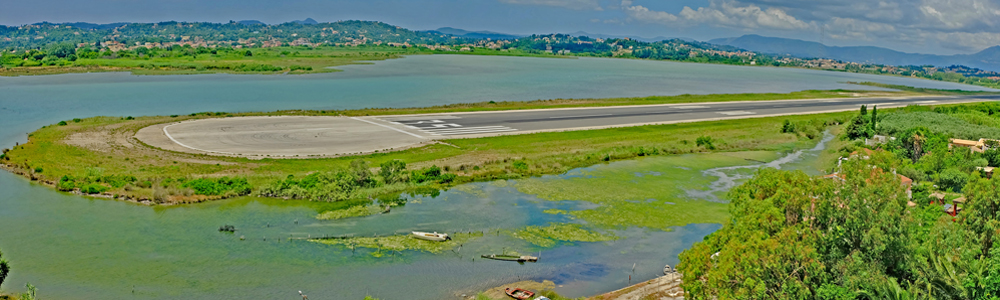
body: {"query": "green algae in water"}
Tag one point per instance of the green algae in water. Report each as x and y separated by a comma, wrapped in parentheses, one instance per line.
(548, 236)
(553, 211)
(356, 211)
(401, 243)
(471, 189)
(648, 192)
(657, 215)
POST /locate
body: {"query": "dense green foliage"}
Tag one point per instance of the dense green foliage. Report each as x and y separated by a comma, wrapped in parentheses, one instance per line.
(796, 237)
(4, 269)
(793, 236)
(220, 186)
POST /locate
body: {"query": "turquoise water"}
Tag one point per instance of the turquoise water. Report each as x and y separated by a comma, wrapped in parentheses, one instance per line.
(73, 247)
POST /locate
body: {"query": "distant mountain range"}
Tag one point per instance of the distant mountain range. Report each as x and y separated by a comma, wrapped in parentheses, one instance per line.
(505, 36)
(474, 34)
(638, 38)
(988, 59)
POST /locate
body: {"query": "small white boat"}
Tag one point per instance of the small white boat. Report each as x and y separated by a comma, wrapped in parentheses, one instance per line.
(434, 237)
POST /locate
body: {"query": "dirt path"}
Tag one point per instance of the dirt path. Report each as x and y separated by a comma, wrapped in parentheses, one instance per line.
(662, 288)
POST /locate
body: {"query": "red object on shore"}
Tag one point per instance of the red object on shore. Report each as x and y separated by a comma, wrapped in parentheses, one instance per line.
(519, 293)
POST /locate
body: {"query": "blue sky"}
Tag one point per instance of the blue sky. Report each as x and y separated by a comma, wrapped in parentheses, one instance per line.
(923, 26)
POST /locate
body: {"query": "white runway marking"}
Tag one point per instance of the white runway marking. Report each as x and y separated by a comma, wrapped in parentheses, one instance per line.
(469, 130)
(165, 132)
(583, 116)
(925, 102)
(829, 101)
(387, 126)
(736, 113)
(689, 107)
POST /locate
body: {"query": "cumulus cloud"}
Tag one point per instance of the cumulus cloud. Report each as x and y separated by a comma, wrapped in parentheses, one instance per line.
(966, 25)
(719, 13)
(571, 4)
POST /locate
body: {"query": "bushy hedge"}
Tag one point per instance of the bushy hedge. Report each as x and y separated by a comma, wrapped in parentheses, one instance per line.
(221, 186)
(69, 183)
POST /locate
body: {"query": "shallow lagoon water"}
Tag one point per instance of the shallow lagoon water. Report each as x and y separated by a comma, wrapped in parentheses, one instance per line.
(73, 247)
(76, 248)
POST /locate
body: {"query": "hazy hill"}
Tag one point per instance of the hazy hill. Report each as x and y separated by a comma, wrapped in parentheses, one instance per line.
(474, 34)
(638, 38)
(988, 59)
(307, 21)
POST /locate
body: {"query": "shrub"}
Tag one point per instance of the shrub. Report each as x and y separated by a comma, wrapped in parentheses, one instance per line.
(62, 123)
(705, 141)
(520, 165)
(77, 120)
(93, 188)
(209, 187)
(66, 184)
(38, 169)
(433, 171)
(787, 127)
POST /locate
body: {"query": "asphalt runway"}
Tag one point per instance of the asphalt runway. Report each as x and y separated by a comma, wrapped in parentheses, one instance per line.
(459, 125)
(303, 137)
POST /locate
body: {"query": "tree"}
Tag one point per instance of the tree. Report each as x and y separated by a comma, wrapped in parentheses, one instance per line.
(392, 170)
(362, 173)
(864, 109)
(874, 119)
(953, 179)
(4, 269)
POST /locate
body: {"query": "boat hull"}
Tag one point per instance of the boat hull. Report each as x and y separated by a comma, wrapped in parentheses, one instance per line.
(427, 236)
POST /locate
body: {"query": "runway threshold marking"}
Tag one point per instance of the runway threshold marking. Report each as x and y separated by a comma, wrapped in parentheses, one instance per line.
(439, 127)
(387, 126)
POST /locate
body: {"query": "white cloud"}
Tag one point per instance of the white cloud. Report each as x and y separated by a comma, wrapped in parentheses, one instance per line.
(571, 4)
(719, 13)
(644, 14)
(966, 25)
